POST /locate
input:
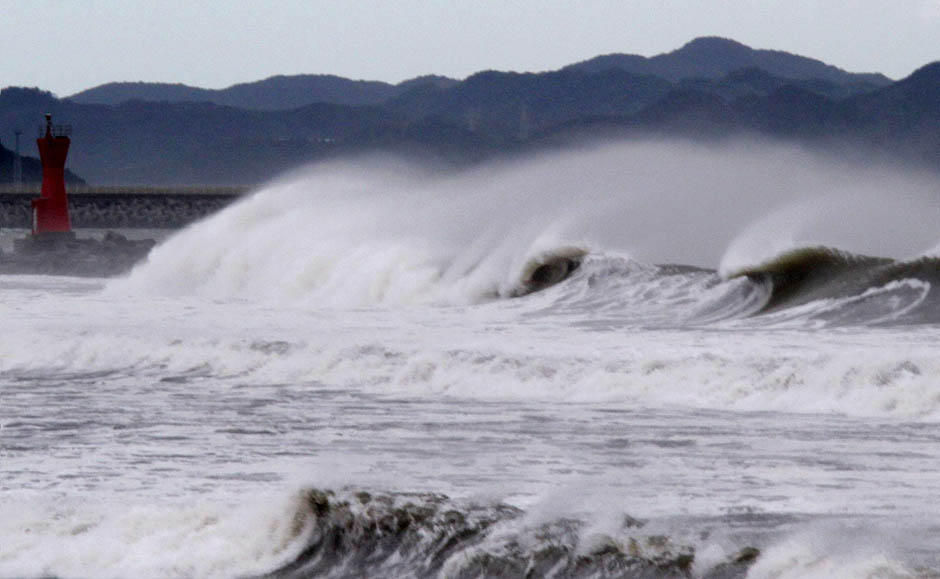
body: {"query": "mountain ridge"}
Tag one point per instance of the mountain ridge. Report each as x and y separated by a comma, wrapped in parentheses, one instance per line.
(488, 114)
(707, 57)
(31, 169)
(279, 92)
(713, 57)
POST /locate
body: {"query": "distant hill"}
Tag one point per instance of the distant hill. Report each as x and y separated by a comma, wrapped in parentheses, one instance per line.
(205, 143)
(277, 93)
(32, 169)
(158, 140)
(903, 117)
(708, 58)
(30, 165)
(513, 105)
(755, 81)
(713, 57)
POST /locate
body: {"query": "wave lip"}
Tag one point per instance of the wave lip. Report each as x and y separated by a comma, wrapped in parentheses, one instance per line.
(548, 269)
(361, 534)
(847, 287)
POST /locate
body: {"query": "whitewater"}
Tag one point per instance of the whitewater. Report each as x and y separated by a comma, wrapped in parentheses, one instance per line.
(644, 359)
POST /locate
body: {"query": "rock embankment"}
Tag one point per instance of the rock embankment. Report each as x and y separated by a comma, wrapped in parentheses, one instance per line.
(109, 210)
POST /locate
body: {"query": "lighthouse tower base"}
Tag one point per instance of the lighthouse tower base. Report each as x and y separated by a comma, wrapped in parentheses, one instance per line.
(61, 253)
(44, 241)
(49, 241)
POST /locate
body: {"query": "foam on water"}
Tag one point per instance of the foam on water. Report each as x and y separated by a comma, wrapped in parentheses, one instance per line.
(109, 537)
(835, 550)
(544, 351)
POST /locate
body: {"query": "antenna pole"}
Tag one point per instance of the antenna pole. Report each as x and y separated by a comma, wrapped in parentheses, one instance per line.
(17, 161)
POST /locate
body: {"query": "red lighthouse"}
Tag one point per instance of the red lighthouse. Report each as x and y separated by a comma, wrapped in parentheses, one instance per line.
(51, 210)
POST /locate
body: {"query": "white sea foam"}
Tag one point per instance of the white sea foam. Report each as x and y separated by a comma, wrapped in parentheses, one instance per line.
(836, 550)
(577, 355)
(108, 538)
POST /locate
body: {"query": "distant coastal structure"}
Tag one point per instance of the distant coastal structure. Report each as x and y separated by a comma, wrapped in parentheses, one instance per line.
(52, 248)
(120, 206)
(51, 209)
(93, 206)
(17, 160)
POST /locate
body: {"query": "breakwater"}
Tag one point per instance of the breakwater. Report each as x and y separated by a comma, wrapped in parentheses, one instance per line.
(122, 206)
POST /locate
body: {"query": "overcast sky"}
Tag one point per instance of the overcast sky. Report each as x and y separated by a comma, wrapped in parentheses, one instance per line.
(69, 45)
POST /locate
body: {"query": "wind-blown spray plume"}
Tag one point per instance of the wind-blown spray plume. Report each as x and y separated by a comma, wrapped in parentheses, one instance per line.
(385, 232)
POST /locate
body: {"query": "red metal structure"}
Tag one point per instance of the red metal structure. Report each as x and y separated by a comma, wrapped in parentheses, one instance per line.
(51, 210)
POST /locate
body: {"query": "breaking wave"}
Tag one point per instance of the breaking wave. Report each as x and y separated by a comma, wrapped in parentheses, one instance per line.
(373, 239)
(350, 533)
(430, 535)
(386, 233)
(347, 533)
(836, 287)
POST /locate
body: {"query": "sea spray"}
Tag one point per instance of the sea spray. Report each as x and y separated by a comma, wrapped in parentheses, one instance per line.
(888, 218)
(366, 243)
(360, 233)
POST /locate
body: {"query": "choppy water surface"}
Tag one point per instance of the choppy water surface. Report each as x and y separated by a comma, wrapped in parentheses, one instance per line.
(350, 389)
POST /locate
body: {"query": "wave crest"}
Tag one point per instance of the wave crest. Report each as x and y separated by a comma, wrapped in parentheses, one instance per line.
(849, 284)
(286, 243)
(431, 535)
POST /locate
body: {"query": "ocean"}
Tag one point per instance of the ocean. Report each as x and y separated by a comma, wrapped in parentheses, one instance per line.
(643, 359)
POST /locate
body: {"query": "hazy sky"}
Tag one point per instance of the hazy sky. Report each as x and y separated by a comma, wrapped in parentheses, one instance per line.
(68, 45)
